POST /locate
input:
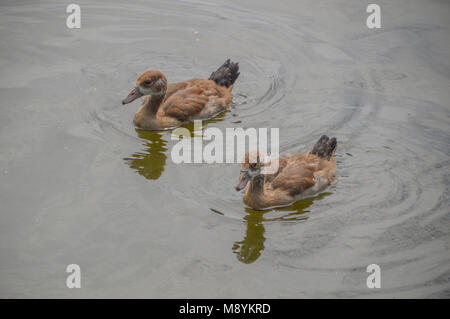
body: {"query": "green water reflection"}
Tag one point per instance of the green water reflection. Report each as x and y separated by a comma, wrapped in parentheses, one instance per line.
(150, 162)
(250, 248)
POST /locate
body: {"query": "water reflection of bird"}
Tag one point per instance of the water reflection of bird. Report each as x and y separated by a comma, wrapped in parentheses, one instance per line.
(150, 162)
(249, 249)
(171, 105)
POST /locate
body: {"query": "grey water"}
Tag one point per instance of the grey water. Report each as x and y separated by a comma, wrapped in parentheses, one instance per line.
(79, 184)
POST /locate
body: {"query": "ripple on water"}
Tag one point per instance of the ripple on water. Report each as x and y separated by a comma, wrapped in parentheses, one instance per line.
(377, 182)
(390, 205)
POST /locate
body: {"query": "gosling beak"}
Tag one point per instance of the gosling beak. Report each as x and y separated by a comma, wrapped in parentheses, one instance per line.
(244, 178)
(134, 94)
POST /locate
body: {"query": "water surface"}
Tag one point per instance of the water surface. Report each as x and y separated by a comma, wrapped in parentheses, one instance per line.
(80, 184)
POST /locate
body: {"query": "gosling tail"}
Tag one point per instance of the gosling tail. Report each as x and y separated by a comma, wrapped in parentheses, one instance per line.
(325, 147)
(226, 74)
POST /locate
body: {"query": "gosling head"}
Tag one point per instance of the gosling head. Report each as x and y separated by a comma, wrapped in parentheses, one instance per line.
(149, 83)
(251, 168)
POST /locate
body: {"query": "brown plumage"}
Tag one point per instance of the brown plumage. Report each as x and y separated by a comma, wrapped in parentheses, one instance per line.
(298, 176)
(171, 105)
